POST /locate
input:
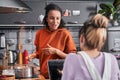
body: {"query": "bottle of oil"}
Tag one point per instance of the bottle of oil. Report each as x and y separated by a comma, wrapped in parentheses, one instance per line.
(20, 55)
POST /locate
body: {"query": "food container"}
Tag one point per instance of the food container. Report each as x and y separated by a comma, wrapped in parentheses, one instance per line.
(4, 77)
(23, 71)
(3, 65)
(7, 74)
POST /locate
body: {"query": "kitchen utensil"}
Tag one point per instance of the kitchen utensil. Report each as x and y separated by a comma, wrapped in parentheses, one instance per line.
(29, 37)
(2, 40)
(11, 56)
(23, 71)
(3, 64)
(20, 60)
(2, 53)
(8, 72)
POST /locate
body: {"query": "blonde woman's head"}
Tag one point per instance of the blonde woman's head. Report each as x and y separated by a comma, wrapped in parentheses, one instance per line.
(94, 32)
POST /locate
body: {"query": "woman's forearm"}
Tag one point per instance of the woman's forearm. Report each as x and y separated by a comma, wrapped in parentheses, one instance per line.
(60, 53)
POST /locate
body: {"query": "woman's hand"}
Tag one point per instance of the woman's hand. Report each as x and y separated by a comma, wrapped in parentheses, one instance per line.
(52, 50)
(49, 50)
(31, 56)
(41, 77)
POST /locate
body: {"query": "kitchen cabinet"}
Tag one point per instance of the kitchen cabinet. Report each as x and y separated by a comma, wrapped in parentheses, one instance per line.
(113, 42)
(86, 9)
(114, 39)
(79, 11)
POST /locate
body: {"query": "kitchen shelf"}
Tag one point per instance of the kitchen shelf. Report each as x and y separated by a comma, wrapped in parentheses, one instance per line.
(114, 28)
(32, 25)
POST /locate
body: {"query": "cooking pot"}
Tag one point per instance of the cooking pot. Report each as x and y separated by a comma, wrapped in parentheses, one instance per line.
(23, 71)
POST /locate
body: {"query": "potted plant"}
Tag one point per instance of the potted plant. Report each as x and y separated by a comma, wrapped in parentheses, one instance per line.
(111, 10)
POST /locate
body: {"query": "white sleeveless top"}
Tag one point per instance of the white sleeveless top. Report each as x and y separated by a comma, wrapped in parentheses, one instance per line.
(92, 69)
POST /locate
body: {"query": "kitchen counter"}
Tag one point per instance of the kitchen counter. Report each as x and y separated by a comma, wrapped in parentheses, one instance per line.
(31, 79)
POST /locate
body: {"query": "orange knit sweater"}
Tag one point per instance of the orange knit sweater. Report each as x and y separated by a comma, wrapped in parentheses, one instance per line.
(60, 39)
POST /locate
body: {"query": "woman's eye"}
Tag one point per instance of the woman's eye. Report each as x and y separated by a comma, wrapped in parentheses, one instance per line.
(51, 18)
(58, 18)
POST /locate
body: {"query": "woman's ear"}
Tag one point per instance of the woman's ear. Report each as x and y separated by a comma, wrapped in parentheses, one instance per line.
(82, 41)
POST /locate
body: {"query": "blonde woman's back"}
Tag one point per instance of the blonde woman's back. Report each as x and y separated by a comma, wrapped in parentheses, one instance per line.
(76, 69)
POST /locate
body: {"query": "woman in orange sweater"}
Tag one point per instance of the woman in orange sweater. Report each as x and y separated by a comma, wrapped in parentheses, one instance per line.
(53, 41)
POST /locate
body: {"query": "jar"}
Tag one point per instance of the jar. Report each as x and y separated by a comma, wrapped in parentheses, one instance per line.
(3, 65)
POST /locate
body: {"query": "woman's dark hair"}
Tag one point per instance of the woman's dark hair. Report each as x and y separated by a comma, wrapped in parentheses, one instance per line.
(84, 27)
(50, 7)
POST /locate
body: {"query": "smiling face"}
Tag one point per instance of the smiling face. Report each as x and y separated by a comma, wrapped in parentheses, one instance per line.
(53, 19)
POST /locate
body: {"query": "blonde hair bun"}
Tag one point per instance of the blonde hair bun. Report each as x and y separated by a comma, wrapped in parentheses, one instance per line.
(99, 21)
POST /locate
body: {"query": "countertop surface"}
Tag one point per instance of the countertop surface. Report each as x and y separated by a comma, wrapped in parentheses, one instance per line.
(31, 79)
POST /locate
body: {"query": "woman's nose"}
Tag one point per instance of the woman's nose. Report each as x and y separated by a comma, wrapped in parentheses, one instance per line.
(55, 20)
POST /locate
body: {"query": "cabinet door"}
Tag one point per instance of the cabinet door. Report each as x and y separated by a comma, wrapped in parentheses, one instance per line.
(79, 11)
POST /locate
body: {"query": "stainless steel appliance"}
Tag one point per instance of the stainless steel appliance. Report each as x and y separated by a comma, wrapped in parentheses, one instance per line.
(12, 57)
(23, 71)
(2, 40)
(13, 6)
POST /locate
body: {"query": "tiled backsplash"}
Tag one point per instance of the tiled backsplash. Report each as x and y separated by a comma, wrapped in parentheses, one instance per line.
(12, 35)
